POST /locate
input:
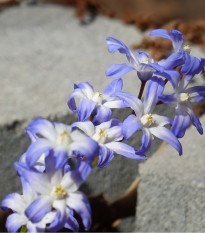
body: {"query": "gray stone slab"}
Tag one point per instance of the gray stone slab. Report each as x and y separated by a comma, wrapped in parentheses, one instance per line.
(172, 188)
(44, 50)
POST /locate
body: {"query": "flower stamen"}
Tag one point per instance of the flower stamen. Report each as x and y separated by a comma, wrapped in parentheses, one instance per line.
(63, 139)
(147, 120)
(184, 97)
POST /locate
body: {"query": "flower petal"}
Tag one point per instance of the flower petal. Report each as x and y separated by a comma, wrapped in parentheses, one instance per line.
(105, 156)
(103, 114)
(38, 208)
(86, 108)
(14, 222)
(87, 127)
(197, 93)
(180, 123)
(146, 141)
(130, 125)
(125, 150)
(36, 150)
(14, 201)
(166, 135)
(133, 102)
(80, 204)
(162, 120)
(117, 70)
(114, 87)
(155, 88)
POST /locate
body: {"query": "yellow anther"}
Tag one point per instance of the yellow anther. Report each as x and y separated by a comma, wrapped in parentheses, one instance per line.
(146, 60)
(95, 161)
(98, 97)
(63, 139)
(187, 48)
(147, 120)
(102, 133)
(59, 191)
(184, 97)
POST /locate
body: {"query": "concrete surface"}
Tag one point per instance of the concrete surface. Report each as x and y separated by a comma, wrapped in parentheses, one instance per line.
(171, 194)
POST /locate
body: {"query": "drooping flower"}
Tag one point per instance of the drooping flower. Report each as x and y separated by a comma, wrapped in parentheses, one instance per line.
(142, 63)
(181, 100)
(62, 139)
(19, 203)
(147, 121)
(94, 102)
(57, 190)
(108, 135)
(191, 65)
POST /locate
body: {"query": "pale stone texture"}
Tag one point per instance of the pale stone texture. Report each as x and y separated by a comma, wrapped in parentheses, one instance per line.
(172, 189)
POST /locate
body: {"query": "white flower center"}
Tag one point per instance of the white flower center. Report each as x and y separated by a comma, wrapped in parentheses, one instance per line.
(58, 192)
(98, 97)
(184, 97)
(63, 139)
(147, 120)
(187, 48)
(100, 136)
(146, 60)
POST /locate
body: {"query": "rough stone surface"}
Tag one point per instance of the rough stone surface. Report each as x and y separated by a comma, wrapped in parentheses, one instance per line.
(172, 189)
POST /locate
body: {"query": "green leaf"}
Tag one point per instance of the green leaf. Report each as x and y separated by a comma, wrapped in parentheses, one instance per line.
(23, 229)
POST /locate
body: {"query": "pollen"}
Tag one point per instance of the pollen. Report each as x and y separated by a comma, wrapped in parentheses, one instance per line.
(146, 60)
(147, 120)
(59, 192)
(63, 139)
(95, 161)
(98, 97)
(184, 97)
(100, 136)
(187, 48)
(102, 133)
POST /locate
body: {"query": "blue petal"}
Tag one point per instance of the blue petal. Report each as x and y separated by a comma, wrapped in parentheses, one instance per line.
(114, 87)
(103, 114)
(166, 135)
(86, 108)
(116, 44)
(14, 222)
(130, 125)
(125, 150)
(117, 70)
(175, 36)
(197, 93)
(160, 33)
(38, 209)
(181, 123)
(61, 158)
(79, 202)
(132, 101)
(36, 149)
(146, 141)
(72, 224)
(195, 120)
(105, 156)
(174, 60)
(155, 88)
(172, 75)
(192, 65)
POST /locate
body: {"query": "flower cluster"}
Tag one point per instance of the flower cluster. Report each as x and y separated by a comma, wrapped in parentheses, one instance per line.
(50, 199)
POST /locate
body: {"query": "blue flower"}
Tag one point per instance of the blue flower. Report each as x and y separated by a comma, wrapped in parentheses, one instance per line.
(142, 63)
(19, 203)
(191, 65)
(61, 139)
(109, 136)
(57, 191)
(94, 102)
(181, 100)
(145, 120)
